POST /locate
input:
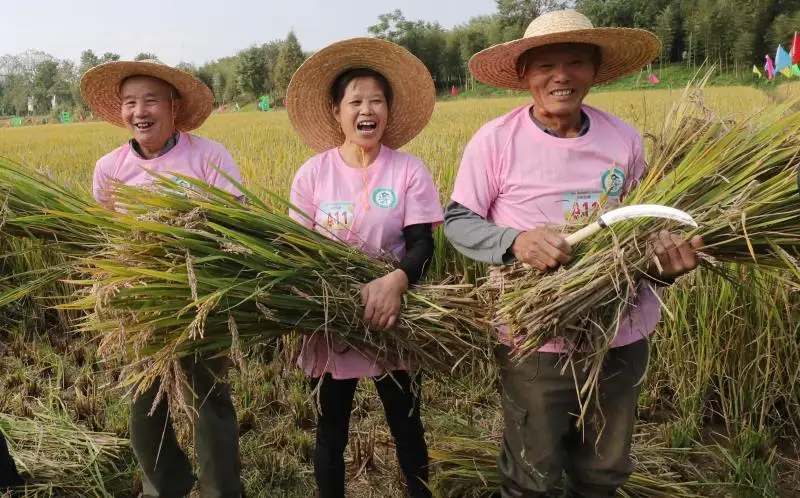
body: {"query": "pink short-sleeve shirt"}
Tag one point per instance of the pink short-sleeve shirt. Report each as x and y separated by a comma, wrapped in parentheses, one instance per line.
(516, 175)
(367, 208)
(192, 156)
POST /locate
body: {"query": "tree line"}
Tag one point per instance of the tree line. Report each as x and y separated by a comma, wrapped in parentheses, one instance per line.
(734, 33)
(727, 32)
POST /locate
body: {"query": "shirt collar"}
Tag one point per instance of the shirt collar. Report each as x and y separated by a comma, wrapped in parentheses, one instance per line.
(171, 143)
(583, 131)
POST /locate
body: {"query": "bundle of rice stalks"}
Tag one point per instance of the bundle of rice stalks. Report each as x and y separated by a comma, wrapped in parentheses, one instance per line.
(53, 454)
(39, 246)
(468, 468)
(30, 287)
(184, 270)
(197, 271)
(739, 183)
(32, 206)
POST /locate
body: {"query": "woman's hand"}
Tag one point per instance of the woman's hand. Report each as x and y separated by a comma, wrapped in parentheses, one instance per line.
(381, 299)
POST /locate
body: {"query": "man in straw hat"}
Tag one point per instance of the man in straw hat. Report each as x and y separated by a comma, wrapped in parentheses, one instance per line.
(354, 102)
(553, 161)
(159, 105)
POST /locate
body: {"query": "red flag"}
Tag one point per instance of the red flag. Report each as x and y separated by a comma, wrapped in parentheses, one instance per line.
(654, 79)
(453, 91)
(795, 52)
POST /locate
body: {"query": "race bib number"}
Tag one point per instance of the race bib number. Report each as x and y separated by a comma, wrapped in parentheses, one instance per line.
(337, 215)
(578, 205)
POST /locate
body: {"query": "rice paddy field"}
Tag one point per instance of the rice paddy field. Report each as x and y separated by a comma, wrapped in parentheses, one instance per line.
(719, 412)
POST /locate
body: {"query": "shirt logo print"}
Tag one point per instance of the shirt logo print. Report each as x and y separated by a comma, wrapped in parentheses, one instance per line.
(613, 181)
(384, 198)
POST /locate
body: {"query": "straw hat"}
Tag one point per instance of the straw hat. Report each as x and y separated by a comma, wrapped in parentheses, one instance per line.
(623, 50)
(100, 90)
(308, 96)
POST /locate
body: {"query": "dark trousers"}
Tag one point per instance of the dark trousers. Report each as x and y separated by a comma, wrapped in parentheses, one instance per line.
(167, 472)
(540, 440)
(401, 405)
(9, 477)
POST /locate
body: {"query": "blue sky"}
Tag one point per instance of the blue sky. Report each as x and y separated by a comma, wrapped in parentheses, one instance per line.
(202, 30)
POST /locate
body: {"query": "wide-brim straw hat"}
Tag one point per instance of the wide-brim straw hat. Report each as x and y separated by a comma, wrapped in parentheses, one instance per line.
(623, 50)
(100, 88)
(308, 98)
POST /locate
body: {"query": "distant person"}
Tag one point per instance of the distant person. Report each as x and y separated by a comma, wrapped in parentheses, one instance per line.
(159, 106)
(355, 102)
(548, 162)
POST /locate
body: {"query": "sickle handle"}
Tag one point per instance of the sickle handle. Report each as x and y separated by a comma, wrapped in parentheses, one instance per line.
(578, 236)
(583, 233)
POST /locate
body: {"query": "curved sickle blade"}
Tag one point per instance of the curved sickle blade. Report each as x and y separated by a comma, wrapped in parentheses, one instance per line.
(647, 211)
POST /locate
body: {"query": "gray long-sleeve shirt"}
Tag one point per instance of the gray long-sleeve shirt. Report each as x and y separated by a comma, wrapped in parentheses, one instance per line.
(476, 237)
(480, 239)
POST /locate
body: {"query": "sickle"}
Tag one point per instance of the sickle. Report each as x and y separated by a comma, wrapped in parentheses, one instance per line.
(630, 212)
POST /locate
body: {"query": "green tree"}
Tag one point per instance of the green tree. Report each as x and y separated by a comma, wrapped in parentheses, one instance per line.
(252, 71)
(290, 58)
(15, 94)
(44, 83)
(389, 26)
(88, 61)
(221, 77)
(514, 16)
(428, 41)
(187, 67)
(782, 30)
(665, 30)
(142, 56)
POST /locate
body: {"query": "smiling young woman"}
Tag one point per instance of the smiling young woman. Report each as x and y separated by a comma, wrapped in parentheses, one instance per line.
(355, 102)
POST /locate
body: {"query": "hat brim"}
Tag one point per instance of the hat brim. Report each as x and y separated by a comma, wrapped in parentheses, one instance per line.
(623, 52)
(308, 96)
(100, 88)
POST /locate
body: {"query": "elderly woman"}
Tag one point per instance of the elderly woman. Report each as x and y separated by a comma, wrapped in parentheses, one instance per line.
(355, 102)
(544, 163)
(159, 105)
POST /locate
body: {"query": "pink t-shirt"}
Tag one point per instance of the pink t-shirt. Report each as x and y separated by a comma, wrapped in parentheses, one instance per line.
(367, 208)
(517, 176)
(192, 156)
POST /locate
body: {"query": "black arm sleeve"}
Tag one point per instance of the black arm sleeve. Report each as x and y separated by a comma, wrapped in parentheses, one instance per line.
(419, 251)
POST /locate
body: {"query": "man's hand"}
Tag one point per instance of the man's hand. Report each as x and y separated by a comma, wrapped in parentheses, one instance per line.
(675, 255)
(381, 299)
(542, 248)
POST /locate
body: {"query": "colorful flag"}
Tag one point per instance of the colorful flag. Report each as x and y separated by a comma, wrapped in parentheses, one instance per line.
(795, 52)
(654, 79)
(787, 71)
(769, 68)
(782, 59)
(795, 70)
(453, 91)
(758, 73)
